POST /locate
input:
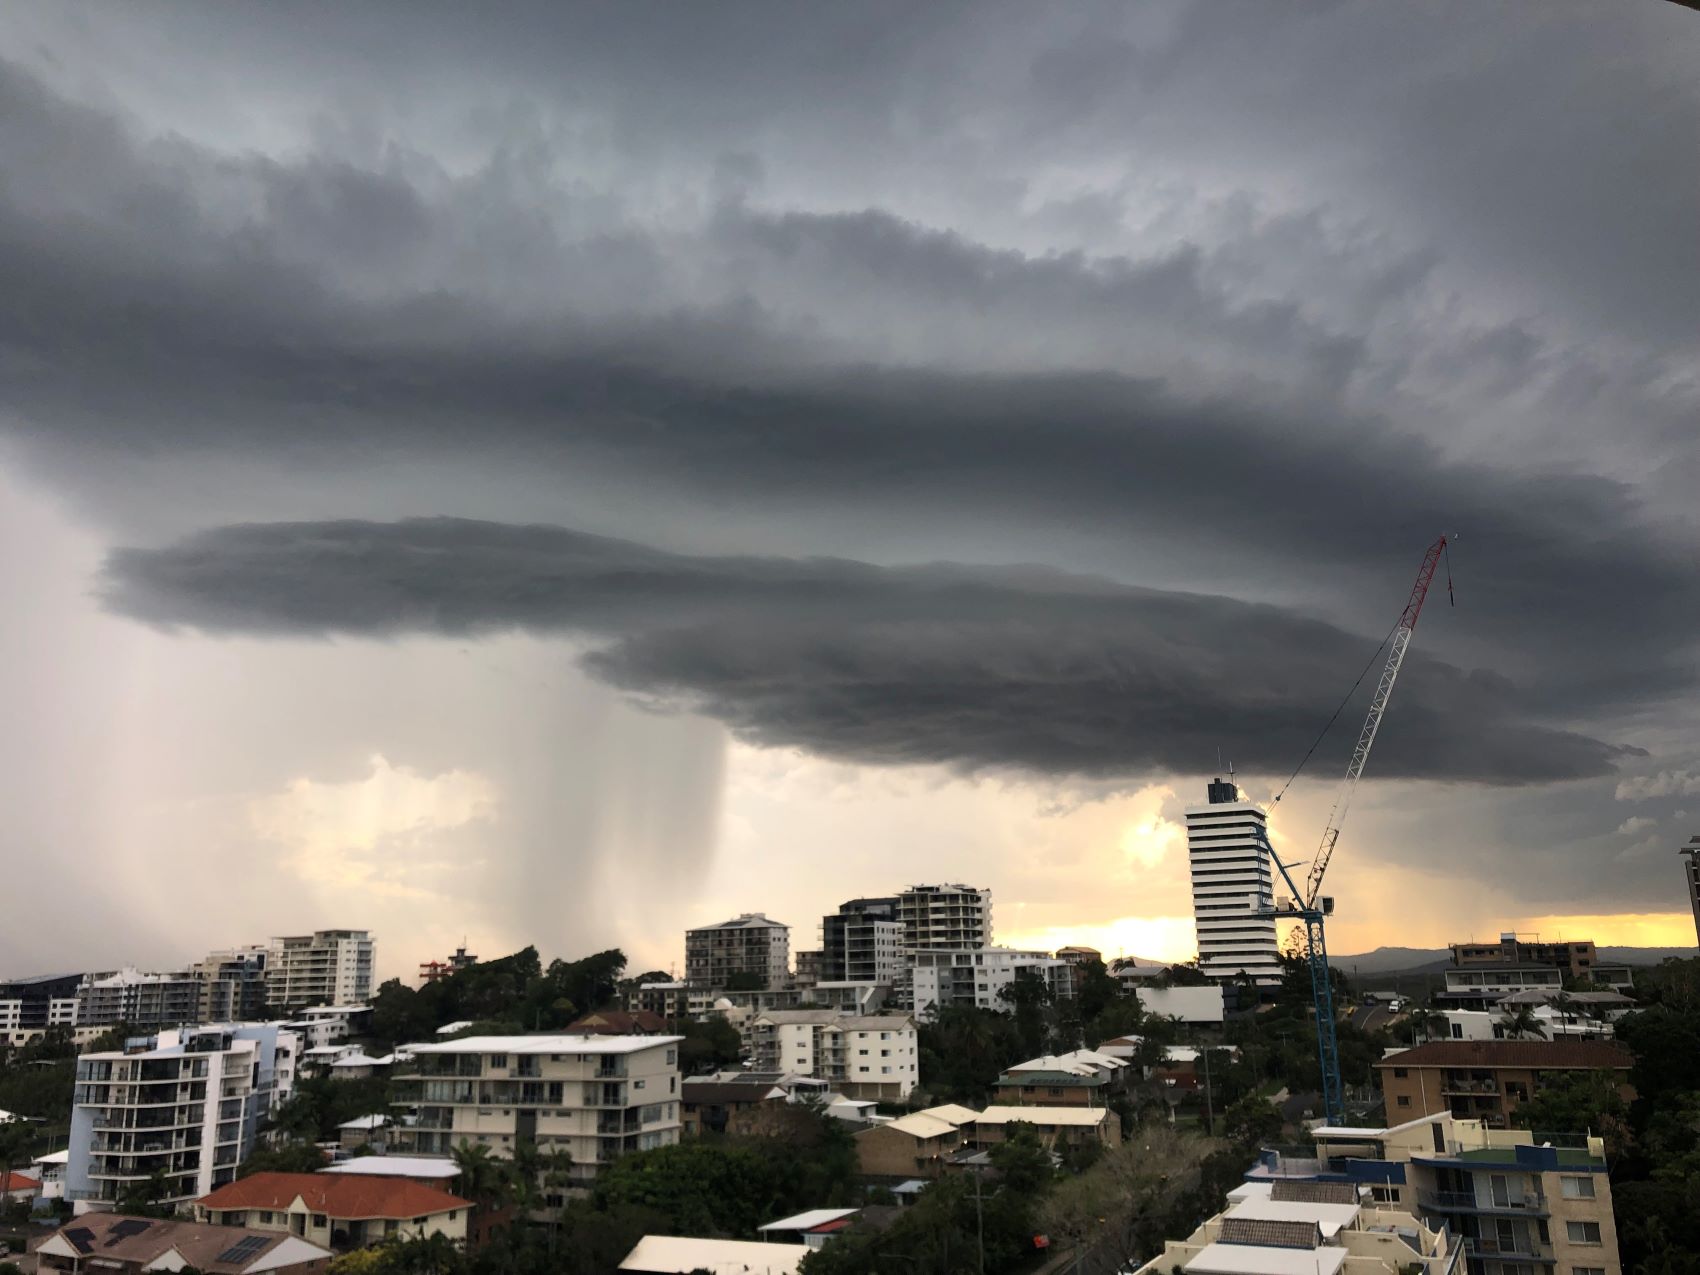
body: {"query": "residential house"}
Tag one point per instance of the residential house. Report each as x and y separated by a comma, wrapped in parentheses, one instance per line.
(712, 1105)
(337, 1211)
(1486, 1079)
(1056, 1126)
(363, 1131)
(1081, 1078)
(594, 1097)
(619, 1022)
(51, 1169)
(912, 1146)
(1308, 1229)
(814, 1228)
(18, 1186)
(861, 1056)
(114, 1244)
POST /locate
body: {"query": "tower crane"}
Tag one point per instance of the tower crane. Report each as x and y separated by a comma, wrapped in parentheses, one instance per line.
(1309, 906)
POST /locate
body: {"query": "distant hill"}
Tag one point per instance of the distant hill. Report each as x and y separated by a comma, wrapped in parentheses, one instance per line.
(1431, 960)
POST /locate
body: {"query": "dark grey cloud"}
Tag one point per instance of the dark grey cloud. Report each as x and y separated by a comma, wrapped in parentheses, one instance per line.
(1015, 667)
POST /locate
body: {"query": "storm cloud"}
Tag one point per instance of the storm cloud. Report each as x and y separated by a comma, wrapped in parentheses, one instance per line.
(973, 667)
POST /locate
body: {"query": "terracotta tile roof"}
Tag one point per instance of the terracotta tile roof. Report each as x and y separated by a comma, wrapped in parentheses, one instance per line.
(20, 1182)
(1535, 1054)
(619, 1022)
(338, 1195)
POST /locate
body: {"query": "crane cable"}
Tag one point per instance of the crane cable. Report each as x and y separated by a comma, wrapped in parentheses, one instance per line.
(1374, 656)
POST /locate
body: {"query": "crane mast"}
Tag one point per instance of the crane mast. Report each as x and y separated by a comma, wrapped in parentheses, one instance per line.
(1308, 907)
(1372, 722)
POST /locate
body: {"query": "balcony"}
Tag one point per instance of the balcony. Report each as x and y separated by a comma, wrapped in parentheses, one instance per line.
(1466, 1202)
(1516, 1251)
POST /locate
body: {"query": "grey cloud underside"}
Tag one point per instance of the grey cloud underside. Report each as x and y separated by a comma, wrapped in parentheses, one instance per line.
(1020, 667)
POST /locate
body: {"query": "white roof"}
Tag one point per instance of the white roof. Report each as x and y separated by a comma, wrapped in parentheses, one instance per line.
(921, 1126)
(1249, 1190)
(1044, 1115)
(328, 1049)
(360, 1060)
(1348, 1131)
(450, 1028)
(953, 1112)
(1330, 1217)
(292, 1252)
(377, 1120)
(1256, 1259)
(53, 1157)
(397, 1166)
(681, 1254)
(548, 1045)
(809, 1220)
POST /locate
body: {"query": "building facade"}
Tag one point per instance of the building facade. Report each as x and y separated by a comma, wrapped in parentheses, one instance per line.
(1691, 873)
(1232, 888)
(232, 985)
(146, 1002)
(978, 977)
(327, 967)
(1576, 960)
(1486, 1080)
(186, 1104)
(945, 917)
(338, 1211)
(749, 948)
(594, 1097)
(29, 1006)
(862, 943)
(859, 1056)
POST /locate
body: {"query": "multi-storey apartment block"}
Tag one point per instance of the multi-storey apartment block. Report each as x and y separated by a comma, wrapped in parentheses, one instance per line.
(862, 943)
(747, 949)
(29, 1006)
(1486, 1080)
(945, 917)
(860, 1056)
(1519, 1204)
(185, 1104)
(1691, 875)
(1574, 960)
(327, 967)
(1233, 891)
(594, 1097)
(146, 1002)
(978, 977)
(232, 985)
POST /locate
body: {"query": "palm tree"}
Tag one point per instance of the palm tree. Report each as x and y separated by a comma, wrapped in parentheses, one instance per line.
(1522, 1022)
(483, 1179)
(1429, 1022)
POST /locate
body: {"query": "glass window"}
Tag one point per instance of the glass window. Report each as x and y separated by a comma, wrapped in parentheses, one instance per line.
(1583, 1232)
(1401, 1073)
(1577, 1188)
(1404, 1100)
(1587, 1270)
(498, 1060)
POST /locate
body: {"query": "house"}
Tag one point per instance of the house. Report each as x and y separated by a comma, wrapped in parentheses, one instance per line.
(911, 1146)
(812, 1229)
(113, 1244)
(619, 1022)
(1056, 1126)
(1183, 1066)
(337, 1211)
(683, 1255)
(1513, 1198)
(360, 1066)
(363, 1131)
(712, 1105)
(1486, 1079)
(1308, 1229)
(18, 1186)
(51, 1169)
(1080, 1078)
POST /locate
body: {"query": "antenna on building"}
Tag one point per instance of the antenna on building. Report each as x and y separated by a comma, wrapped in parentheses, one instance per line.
(1231, 776)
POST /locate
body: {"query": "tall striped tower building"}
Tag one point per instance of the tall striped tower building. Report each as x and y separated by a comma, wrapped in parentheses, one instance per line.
(1232, 880)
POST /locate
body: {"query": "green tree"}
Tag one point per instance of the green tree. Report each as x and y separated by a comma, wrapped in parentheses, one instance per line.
(283, 1157)
(1252, 1122)
(1578, 1102)
(483, 1179)
(1521, 1023)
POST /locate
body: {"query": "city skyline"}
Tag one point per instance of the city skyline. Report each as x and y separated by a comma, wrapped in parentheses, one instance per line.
(566, 480)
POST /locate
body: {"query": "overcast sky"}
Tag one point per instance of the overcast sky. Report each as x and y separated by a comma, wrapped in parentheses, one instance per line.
(561, 474)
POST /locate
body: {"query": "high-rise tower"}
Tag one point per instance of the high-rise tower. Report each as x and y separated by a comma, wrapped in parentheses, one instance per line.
(1232, 882)
(1691, 866)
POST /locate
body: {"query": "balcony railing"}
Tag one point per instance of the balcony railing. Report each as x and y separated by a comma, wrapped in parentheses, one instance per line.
(1468, 1202)
(1516, 1251)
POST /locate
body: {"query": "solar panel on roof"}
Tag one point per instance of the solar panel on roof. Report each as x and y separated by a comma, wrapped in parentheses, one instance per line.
(128, 1227)
(82, 1239)
(247, 1247)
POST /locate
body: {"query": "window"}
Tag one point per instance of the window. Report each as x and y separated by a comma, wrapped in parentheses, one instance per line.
(1583, 1232)
(1401, 1073)
(672, 1057)
(637, 1084)
(498, 1060)
(266, 1216)
(319, 1219)
(1404, 1100)
(1587, 1270)
(1384, 1194)
(1577, 1188)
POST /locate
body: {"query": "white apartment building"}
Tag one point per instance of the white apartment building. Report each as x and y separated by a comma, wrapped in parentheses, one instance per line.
(861, 943)
(977, 977)
(29, 1006)
(186, 1103)
(327, 967)
(860, 1056)
(945, 917)
(1232, 883)
(748, 947)
(594, 1097)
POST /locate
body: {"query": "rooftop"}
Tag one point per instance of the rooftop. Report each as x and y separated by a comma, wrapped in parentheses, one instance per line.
(430, 1168)
(1044, 1115)
(1572, 1054)
(1256, 1259)
(682, 1254)
(808, 1221)
(112, 1239)
(746, 921)
(547, 1045)
(917, 1125)
(338, 1196)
